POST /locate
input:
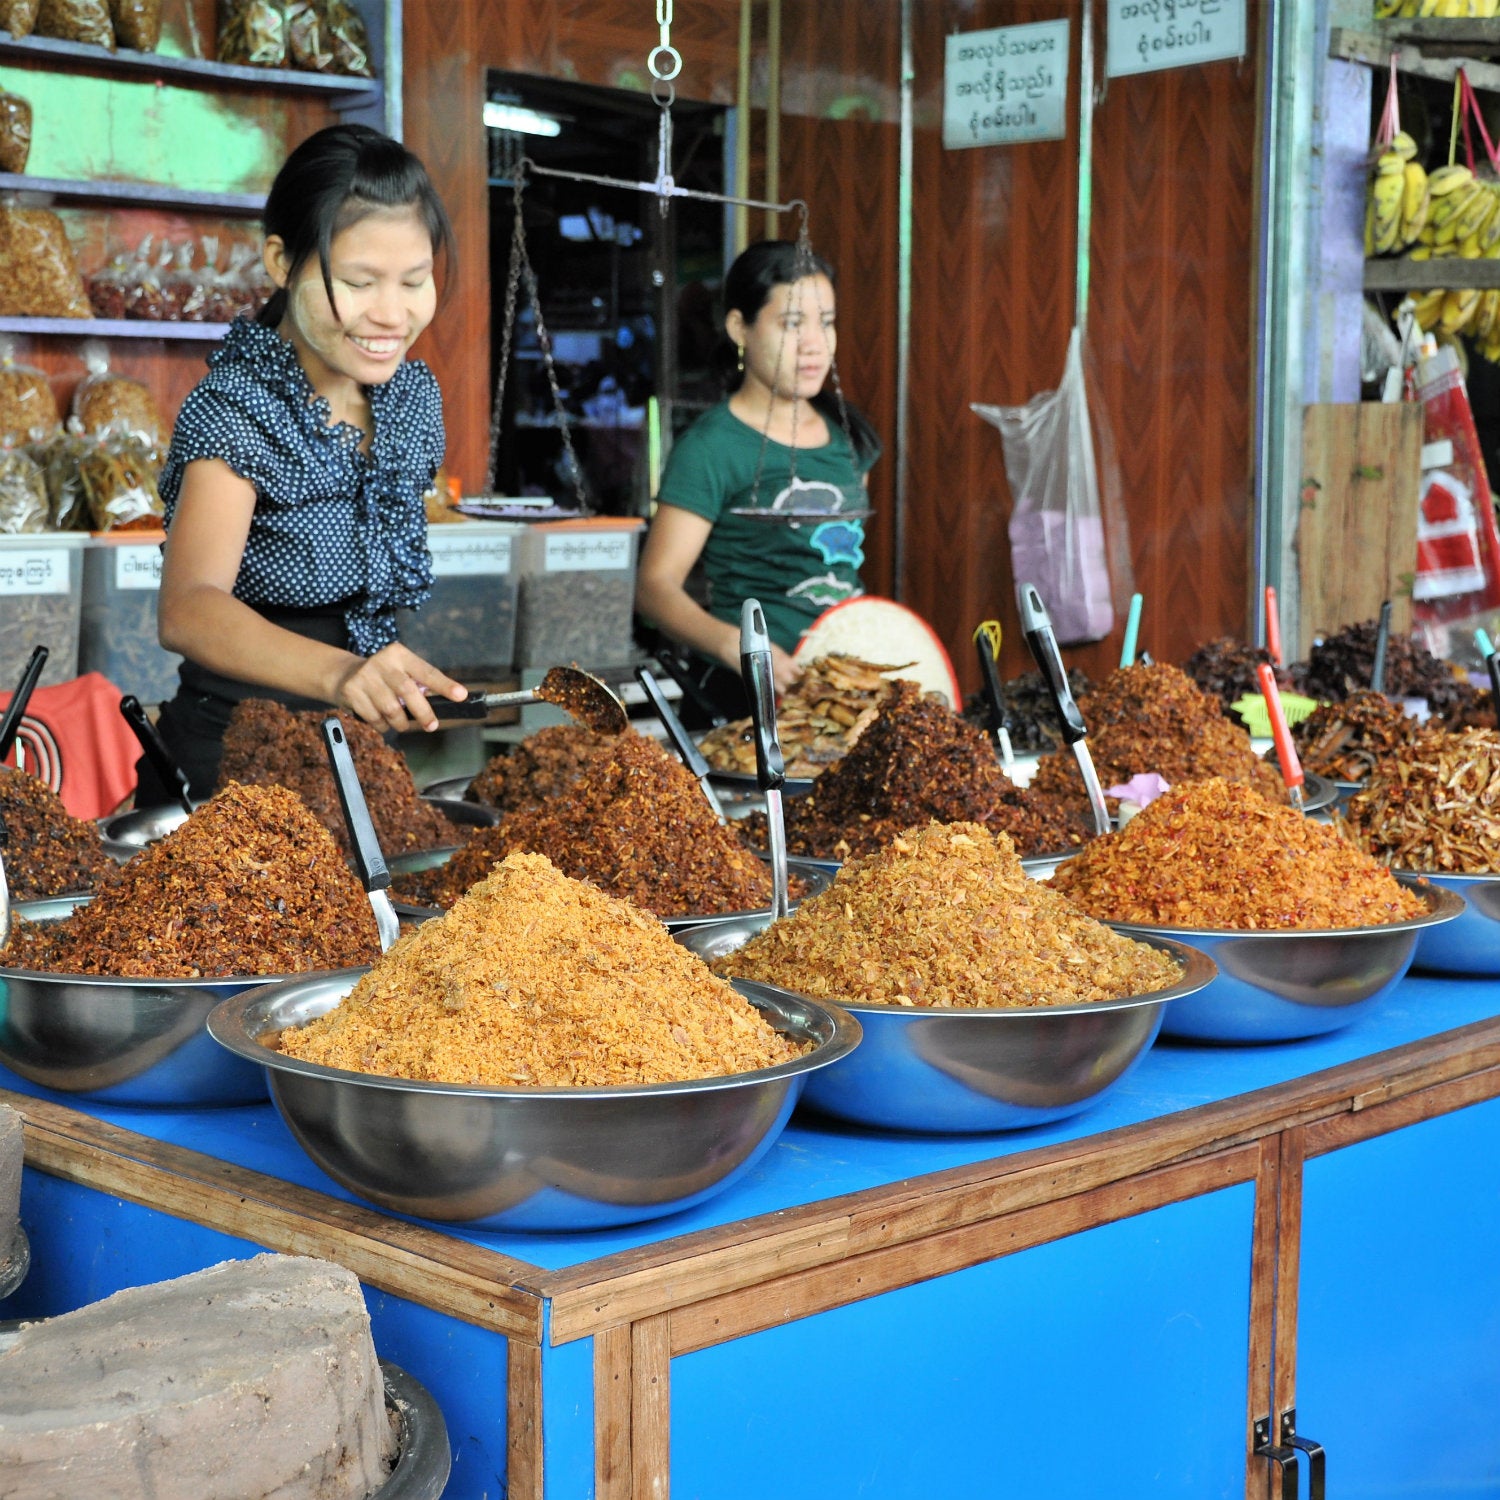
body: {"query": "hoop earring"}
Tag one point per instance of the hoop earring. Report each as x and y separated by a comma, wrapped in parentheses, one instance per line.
(739, 362)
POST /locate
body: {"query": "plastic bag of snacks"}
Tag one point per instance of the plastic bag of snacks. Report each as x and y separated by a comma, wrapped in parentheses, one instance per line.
(23, 492)
(308, 42)
(76, 21)
(15, 132)
(145, 294)
(137, 23)
(38, 275)
(108, 286)
(58, 458)
(119, 485)
(253, 32)
(18, 16)
(28, 409)
(351, 41)
(105, 403)
(182, 287)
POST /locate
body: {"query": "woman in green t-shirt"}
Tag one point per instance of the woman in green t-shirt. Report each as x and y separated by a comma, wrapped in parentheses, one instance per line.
(776, 444)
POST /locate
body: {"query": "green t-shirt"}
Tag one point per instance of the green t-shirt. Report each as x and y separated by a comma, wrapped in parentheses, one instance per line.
(797, 569)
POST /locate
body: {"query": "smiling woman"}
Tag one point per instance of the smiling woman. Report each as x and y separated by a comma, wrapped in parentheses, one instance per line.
(294, 484)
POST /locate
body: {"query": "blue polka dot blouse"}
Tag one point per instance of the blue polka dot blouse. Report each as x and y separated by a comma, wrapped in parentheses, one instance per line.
(332, 525)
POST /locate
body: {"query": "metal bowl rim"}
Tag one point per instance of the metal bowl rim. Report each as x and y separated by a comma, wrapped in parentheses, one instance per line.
(1458, 876)
(226, 1025)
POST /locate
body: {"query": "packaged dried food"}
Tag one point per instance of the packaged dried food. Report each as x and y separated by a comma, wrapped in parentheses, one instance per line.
(18, 17)
(137, 23)
(106, 404)
(145, 293)
(38, 275)
(28, 409)
(351, 41)
(227, 291)
(119, 485)
(308, 42)
(109, 285)
(76, 21)
(183, 290)
(253, 32)
(59, 457)
(23, 493)
(15, 132)
(255, 282)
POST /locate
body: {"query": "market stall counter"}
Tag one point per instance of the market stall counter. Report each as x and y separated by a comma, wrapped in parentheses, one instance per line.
(1112, 1304)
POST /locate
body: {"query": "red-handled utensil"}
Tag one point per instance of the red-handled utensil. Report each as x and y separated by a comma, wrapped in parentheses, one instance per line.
(1273, 625)
(1286, 751)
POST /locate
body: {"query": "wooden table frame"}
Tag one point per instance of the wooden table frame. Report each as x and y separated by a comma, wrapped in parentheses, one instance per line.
(644, 1307)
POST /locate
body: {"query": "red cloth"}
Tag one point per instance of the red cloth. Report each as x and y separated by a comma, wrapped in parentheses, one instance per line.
(76, 741)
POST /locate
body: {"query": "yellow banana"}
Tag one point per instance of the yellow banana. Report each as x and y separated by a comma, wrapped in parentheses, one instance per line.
(1415, 202)
(1477, 214)
(1421, 252)
(1385, 9)
(1458, 308)
(1403, 145)
(1427, 308)
(1447, 179)
(1386, 193)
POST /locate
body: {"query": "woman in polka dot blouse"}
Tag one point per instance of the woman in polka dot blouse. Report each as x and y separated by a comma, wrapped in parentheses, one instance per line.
(294, 483)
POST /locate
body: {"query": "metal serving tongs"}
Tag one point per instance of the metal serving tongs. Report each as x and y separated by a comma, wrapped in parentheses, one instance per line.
(682, 741)
(987, 647)
(369, 862)
(163, 762)
(578, 692)
(1382, 644)
(1036, 625)
(1286, 751)
(15, 710)
(770, 768)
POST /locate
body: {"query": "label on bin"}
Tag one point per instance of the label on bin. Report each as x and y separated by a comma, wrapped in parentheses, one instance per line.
(40, 571)
(579, 552)
(459, 556)
(138, 568)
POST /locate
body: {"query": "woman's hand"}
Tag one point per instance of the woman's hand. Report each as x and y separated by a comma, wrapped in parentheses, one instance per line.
(390, 689)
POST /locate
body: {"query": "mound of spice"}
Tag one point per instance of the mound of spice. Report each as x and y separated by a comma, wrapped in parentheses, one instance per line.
(1156, 718)
(538, 769)
(534, 979)
(1342, 664)
(1030, 714)
(918, 762)
(48, 851)
(817, 720)
(1345, 739)
(1225, 669)
(268, 745)
(637, 824)
(250, 884)
(945, 916)
(1217, 855)
(1434, 805)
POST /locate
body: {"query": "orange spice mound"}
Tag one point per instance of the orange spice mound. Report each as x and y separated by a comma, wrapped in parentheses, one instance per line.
(945, 916)
(534, 979)
(637, 824)
(250, 884)
(542, 766)
(1216, 855)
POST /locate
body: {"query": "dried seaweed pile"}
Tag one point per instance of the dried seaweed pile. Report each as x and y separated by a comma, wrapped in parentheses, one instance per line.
(268, 745)
(1345, 740)
(1225, 669)
(1342, 664)
(48, 851)
(541, 767)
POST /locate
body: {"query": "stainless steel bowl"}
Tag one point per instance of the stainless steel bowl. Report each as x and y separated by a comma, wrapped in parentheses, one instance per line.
(516, 1158)
(449, 788)
(15, 1261)
(961, 1069)
(1278, 986)
(1470, 944)
(423, 1459)
(118, 1040)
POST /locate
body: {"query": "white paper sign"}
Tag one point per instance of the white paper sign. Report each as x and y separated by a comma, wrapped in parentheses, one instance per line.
(1006, 85)
(43, 570)
(1144, 35)
(457, 556)
(137, 567)
(578, 552)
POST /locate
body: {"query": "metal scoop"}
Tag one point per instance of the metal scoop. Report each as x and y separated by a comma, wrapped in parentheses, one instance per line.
(1036, 623)
(770, 767)
(570, 688)
(1286, 750)
(369, 862)
(682, 742)
(163, 762)
(15, 710)
(994, 694)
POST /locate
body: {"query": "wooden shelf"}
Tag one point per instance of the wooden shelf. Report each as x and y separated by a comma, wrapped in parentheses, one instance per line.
(1374, 48)
(342, 91)
(1420, 275)
(1474, 37)
(115, 328)
(133, 194)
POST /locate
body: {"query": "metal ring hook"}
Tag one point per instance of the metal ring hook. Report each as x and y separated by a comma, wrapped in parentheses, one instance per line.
(663, 94)
(674, 63)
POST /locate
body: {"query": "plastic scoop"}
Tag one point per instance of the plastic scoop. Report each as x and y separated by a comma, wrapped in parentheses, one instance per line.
(682, 742)
(1492, 661)
(572, 689)
(1273, 625)
(154, 747)
(987, 648)
(369, 862)
(1382, 641)
(1132, 632)
(1286, 751)
(1036, 623)
(770, 767)
(1484, 643)
(15, 710)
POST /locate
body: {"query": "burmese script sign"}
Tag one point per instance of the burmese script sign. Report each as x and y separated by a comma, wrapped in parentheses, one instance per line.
(1144, 35)
(1006, 85)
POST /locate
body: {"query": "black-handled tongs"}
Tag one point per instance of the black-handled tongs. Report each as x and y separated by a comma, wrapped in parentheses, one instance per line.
(770, 767)
(15, 710)
(985, 646)
(154, 747)
(369, 862)
(682, 741)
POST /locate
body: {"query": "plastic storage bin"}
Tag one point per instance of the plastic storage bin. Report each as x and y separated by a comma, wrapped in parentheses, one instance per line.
(41, 601)
(468, 627)
(577, 592)
(121, 583)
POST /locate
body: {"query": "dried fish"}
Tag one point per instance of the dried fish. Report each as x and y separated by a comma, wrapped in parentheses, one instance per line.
(1345, 740)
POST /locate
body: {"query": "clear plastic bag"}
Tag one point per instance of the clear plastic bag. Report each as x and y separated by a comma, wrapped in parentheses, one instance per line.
(253, 32)
(108, 404)
(119, 485)
(145, 292)
(38, 275)
(28, 409)
(137, 23)
(15, 132)
(308, 42)
(1058, 521)
(18, 16)
(110, 285)
(76, 21)
(183, 287)
(58, 458)
(23, 492)
(351, 41)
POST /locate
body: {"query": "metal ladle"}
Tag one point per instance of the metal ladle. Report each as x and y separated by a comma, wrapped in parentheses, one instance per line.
(770, 767)
(368, 860)
(682, 742)
(163, 762)
(572, 689)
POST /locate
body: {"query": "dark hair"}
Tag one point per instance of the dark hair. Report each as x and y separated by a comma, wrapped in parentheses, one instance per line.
(334, 179)
(757, 270)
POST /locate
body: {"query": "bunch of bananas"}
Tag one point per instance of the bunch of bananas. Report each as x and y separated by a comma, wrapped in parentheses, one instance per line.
(1462, 220)
(1399, 205)
(1385, 10)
